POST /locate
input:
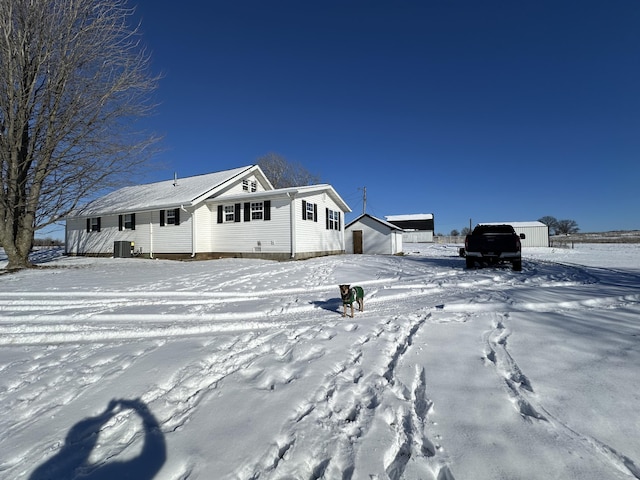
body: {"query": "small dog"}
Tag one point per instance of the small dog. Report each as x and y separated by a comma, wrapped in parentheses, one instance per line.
(349, 295)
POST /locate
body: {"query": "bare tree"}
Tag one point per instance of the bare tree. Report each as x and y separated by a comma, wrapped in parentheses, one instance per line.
(74, 79)
(550, 222)
(565, 227)
(283, 173)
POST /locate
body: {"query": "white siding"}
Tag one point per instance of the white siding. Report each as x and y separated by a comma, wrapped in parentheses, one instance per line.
(312, 235)
(535, 236)
(204, 216)
(254, 236)
(377, 238)
(172, 238)
(418, 236)
(149, 236)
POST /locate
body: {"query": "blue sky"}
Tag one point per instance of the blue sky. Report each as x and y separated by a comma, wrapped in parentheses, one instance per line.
(483, 110)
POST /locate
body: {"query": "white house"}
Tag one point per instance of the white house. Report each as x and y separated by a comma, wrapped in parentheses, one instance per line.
(368, 234)
(536, 233)
(417, 227)
(232, 213)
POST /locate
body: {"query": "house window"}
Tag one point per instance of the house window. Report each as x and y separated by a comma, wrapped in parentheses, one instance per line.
(93, 224)
(245, 185)
(333, 220)
(309, 211)
(229, 213)
(254, 186)
(127, 222)
(257, 210)
(170, 217)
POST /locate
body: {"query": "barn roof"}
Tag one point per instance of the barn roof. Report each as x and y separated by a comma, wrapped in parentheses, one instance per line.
(412, 216)
(416, 221)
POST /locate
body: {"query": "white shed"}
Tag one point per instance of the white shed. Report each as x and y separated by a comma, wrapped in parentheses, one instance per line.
(536, 233)
(368, 234)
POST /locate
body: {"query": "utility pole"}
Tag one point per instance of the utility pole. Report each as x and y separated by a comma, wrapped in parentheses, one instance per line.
(364, 199)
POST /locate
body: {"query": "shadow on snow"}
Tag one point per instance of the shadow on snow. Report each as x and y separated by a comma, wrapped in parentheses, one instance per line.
(72, 461)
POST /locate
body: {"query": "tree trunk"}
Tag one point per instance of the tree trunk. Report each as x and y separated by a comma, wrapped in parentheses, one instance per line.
(17, 242)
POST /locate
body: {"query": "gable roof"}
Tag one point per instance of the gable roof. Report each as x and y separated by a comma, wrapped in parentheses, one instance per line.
(366, 215)
(166, 194)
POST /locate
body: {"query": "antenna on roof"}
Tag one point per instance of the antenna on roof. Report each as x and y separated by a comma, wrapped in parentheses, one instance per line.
(175, 179)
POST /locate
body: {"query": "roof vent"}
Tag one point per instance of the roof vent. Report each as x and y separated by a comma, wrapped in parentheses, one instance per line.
(175, 179)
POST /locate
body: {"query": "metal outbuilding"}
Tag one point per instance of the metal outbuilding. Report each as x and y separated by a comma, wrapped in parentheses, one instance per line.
(536, 233)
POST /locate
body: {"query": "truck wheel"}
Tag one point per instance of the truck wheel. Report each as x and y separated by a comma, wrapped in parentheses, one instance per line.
(517, 265)
(470, 262)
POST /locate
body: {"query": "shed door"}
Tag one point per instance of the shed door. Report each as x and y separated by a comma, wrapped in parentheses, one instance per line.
(357, 241)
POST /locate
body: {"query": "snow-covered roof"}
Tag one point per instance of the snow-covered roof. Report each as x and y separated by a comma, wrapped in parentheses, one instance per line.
(165, 194)
(414, 216)
(516, 224)
(379, 220)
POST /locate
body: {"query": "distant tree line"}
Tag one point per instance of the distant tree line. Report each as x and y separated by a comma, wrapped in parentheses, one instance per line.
(47, 242)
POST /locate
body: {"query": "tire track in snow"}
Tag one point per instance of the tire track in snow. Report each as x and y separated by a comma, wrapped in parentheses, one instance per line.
(522, 395)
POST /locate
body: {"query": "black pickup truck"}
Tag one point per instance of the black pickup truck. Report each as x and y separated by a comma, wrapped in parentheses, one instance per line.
(492, 244)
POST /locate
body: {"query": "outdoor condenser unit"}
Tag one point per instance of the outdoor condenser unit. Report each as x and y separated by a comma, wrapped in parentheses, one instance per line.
(121, 249)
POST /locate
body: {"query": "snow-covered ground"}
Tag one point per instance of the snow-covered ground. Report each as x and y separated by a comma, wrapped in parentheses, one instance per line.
(245, 369)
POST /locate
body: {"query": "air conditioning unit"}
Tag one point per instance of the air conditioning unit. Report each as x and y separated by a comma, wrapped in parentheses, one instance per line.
(121, 249)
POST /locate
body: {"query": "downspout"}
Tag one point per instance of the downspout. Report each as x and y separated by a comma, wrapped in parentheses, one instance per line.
(342, 233)
(193, 231)
(150, 235)
(292, 222)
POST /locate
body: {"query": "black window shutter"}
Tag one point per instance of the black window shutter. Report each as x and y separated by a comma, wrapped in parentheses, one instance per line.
(267, 209)
(88, 224)
(162, 218)
(120, 223)
(133, 221)
(177, 216)
(99, 222)
(304, 209)
(237, 212)
(247, 211)
(315, 212)
(339, 221)
(220, 213)
(326, 220)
